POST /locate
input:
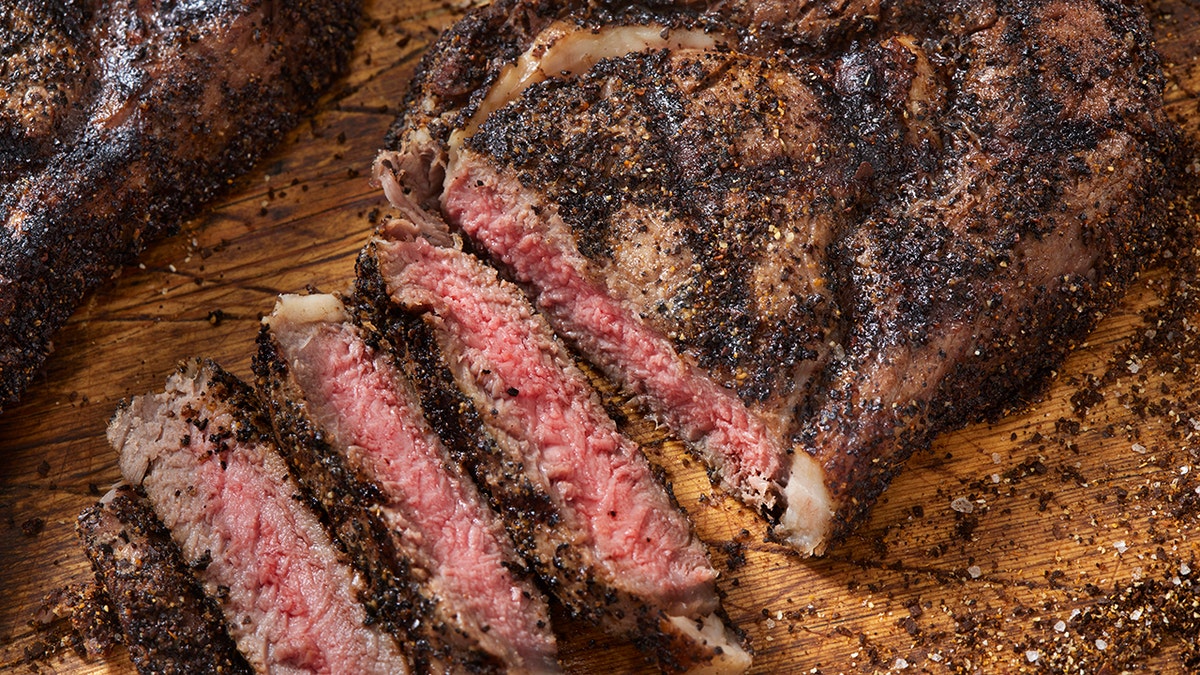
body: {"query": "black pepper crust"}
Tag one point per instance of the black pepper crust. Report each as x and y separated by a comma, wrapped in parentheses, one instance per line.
(568, 571)
(168, 624)
(95, 163)
(963, 298)
(347, 500)
(991, 177)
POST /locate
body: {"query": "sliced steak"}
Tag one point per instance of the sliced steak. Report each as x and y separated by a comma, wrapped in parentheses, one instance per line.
(166, 621)
(202, 451)
(580, 498)
(443, 569)
(810, 260)
(118, 119)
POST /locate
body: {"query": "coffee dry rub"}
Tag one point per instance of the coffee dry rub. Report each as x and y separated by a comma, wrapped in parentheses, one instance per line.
(120, 118)
(203, 453)
(440, 569)
(165, 620)
(860, 240)
(579, 498)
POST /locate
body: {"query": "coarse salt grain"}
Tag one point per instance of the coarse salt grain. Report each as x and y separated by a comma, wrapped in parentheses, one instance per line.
(1184, 569)
(1060, 626)
(1120, 545)
(975, 571)
(1032, 655)
(936, 658)
(995, 478)
(1101, 644)
(901, 663)
(962, 505)
(996, 456)
(1135, 614)
(1138, 448)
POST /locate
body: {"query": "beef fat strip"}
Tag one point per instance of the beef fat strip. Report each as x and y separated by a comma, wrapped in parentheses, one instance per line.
(120, 118)
(353, 431)
(580, 498)
(202, 451)
(805, 261)
(166, 621)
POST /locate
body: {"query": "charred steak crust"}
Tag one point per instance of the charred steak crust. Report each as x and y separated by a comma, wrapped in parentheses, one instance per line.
(167, 623)
(1049, 199)
(892, 225)
(120, 118)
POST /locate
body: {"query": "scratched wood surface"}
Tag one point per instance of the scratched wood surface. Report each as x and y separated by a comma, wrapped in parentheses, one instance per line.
(1061, 530)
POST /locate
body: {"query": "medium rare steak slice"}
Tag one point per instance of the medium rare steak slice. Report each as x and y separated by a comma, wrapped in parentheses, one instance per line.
(118, 118)
(202, 451)
(167, 623)
(808, 262)
(440, 564)
(580, 498)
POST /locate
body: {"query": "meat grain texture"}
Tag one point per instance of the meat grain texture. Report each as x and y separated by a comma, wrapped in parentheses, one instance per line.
(203, 452)
(579, 498)
(118, 119)
(441, 573)
(808, 238)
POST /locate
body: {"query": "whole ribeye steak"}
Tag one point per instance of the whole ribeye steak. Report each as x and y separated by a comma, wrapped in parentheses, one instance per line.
(808, 236)
(120, 117)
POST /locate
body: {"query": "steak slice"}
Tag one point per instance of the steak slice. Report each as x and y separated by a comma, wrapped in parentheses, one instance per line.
(440, 564)
(166, 621)
(203, 453)
(579, 497)
(846, 246)
(118, 119)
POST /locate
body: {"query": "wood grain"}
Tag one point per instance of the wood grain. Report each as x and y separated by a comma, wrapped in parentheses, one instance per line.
(1066, 509)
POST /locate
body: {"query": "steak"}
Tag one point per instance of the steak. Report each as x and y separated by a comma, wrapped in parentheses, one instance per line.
(165, 620)
(807, 254)
(120, 118)
(580, 498)
(440, 565)
(202, 451)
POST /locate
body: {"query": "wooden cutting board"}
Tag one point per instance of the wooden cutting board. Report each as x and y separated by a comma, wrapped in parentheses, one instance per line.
(979, 558)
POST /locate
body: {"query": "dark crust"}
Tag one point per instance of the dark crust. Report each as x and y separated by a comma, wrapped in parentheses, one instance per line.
(455, 72)
(469, 55)
(188, 118)
(960, 271)
(541, 537)
(981, 268)
(169, 625)
(345, 499)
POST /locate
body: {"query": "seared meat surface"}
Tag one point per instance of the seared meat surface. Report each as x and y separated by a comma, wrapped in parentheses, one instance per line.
(119, 118)
(166, 621)
(884, 225)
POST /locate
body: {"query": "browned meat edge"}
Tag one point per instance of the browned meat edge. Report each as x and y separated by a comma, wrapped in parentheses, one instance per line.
(168, 624)
(190, 116)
